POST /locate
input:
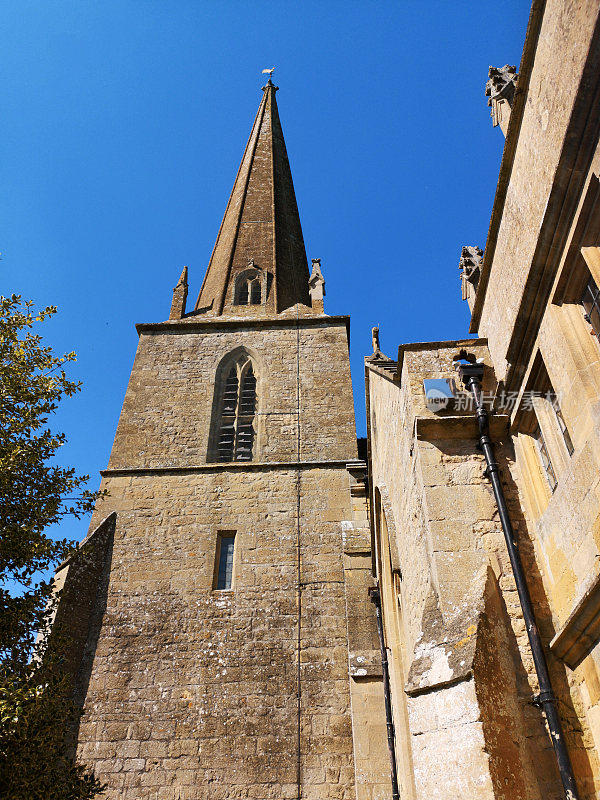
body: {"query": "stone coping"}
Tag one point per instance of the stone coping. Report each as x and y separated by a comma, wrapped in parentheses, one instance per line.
(459, 427)
(105, 525)
(581, 632)
(508, 155)
(217, 466)
(196, 325)
(448, 344)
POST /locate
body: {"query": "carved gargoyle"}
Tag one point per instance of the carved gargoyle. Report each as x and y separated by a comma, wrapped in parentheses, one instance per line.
(471, 260)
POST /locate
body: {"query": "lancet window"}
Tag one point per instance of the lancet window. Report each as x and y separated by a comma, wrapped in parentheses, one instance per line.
(235, 437)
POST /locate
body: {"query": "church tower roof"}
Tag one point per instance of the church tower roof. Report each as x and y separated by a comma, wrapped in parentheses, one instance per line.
(260, 235)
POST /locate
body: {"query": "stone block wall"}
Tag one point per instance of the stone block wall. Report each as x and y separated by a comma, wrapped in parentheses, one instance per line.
(168, 405)
(193, 691)
(534, 192)
(540, 253)
(468, 673)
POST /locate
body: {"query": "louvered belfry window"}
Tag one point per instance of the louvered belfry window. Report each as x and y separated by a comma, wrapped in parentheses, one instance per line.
(248, 290)
(236, 430)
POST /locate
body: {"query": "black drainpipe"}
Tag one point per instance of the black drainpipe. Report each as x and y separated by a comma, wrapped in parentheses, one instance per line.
(471, 376)
(376, 600)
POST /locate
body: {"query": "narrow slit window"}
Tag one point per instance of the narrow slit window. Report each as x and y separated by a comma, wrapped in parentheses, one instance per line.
(225, 551)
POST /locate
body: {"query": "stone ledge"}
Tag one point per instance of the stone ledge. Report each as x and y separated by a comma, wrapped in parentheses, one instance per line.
(356, 538)
(195, 326)
(581, 632)
(229, 465)
(458, 427)
(445, 652)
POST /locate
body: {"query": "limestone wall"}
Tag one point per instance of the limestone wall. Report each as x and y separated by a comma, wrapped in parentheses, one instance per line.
(168, 406)
(464, 719)
(563, 46)
(193, 692)
(540, 342)
(269, 689)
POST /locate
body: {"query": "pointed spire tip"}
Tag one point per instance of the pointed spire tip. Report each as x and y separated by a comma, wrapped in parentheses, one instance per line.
(183, 277)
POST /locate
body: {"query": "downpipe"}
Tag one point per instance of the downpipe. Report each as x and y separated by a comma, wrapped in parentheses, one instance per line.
(376, 600)
(471, 376)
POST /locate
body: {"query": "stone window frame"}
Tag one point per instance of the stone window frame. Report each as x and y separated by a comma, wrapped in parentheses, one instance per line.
(389, 576)
(241, 357)
(222, 535)
(250, 288)
(544, 447)
(579, 265)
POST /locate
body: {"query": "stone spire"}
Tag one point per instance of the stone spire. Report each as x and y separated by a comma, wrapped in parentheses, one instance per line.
(260, 238)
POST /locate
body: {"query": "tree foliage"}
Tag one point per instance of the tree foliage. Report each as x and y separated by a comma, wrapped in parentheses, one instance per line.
(35, 493)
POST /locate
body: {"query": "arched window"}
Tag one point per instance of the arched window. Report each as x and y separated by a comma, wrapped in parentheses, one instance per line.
(248, 289)
(235, 423)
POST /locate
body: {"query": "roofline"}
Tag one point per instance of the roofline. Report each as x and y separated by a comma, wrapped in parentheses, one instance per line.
(183, 326)
(255, 126)
(508, 156)
(447, 344)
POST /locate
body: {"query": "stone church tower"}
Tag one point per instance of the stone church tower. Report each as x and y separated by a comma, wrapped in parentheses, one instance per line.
(223, 642)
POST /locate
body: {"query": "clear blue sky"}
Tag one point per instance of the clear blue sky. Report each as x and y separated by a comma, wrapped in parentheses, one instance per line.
(123, 123)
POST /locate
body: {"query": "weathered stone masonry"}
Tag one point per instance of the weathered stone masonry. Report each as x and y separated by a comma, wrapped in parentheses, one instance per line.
(270, 688)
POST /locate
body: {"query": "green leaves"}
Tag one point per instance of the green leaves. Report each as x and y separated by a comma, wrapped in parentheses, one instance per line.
(35, 697)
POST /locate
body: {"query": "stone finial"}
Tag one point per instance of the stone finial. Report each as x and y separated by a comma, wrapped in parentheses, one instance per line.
(500, 90)
(316, 286)
(471, 261)
(375, 341)
(180, 296)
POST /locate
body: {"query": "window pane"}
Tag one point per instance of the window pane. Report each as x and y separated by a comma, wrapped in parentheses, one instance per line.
(545, 459)
(225, 573)
(243, 295)
(564, 430)
(591, 305)
(255, 292)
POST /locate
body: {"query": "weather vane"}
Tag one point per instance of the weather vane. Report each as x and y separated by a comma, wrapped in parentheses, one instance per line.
(269, 72)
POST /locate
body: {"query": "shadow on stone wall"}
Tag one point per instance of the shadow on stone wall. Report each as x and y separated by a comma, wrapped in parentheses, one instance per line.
(573, 720)
(521, 762)
(80, 613)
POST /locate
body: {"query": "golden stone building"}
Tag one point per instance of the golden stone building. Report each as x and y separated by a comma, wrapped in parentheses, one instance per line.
(224, 643)
(465, 691)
